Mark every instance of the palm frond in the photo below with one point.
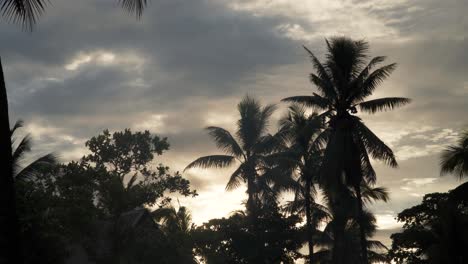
(383, 104)
(454, 160)
(264, 118)
(18, 124)
(375, 244)
(213, 161)
(315, 101)
(268, 144)
(23, 147)
(23, 12)
(375, 257)
(356, 83)
(371, 194)
(249, 127)
(236, 178)
(373, 80)
(166, 215)
(225, 141)
(132, 181)
(375, 147)
(368, 171)
(280, 178)
(36, 166)
(134, 6)
(322, 80)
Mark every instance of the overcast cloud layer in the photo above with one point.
(185, 65)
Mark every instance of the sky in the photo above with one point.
(88, 66)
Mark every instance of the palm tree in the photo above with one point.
(177, 225)
(344, 82)
(353, 225)
(174, 220)
(25, 13)
(20, 150)
(302, 133)
(249, 147)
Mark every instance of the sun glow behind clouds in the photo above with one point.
(387, 221)
(99, 57)
(103, 58)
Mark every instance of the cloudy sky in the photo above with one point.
(185, 65)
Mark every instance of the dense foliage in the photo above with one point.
(435, 231)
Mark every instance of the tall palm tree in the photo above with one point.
(344, 82)
(25, 13)
(302, 133)
(249, 148)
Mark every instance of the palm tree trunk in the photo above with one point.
(339, 209)
(252, 211)
(362, 233)
(309, 222)
(338, 254)
(10, 250)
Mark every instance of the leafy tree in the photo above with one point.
(129, 181)
(232, 240)
(434, 231)
(344, 82)
(76, 200)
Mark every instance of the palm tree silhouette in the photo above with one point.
(25, 13)
(249, 147)
(174, 220)
(302, 133)
(344, 82)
